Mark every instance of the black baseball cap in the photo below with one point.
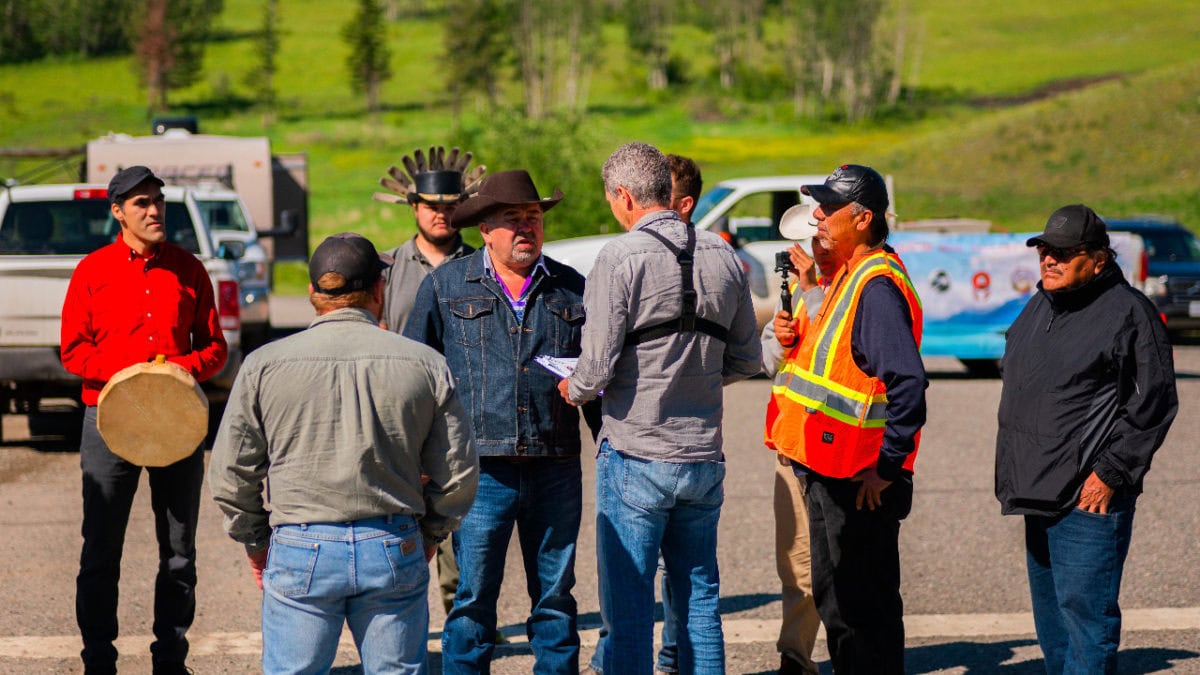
(851, 183)
(351, 255)
(1071, 226)
(127, 179)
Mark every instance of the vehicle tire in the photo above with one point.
(58, 426)
(982, 368)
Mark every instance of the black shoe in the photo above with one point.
(172, 669)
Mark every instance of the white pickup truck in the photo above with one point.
(45, 230)
(971, 285)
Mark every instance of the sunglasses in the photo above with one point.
(1060, 254)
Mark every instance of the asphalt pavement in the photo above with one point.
(966, 597)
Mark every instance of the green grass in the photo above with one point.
(978, 143)
(1006, 48)
(1124, 147)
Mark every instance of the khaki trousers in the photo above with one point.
(798, 633)
(447, 568)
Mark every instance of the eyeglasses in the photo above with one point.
(1060, 254)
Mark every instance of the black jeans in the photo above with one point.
(109, 484)
(856, 574)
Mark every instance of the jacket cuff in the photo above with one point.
(1105, 472)
(888, 468)
(431, 537)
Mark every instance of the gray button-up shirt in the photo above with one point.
(662, 398)
(404, 277)
(341, 420)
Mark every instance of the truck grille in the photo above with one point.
(1184, 289)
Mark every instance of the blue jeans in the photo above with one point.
(370, 573)
(644, 507)
(543, 498)
(668, 654)
(1075, 564)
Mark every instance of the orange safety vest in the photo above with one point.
(825, 412)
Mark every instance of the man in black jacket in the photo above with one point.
(1089, 393)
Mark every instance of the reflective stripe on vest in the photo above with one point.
(836, 427)
(834, 328)
(817, 393)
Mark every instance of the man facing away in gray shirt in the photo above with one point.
(669, 322)
(367, 460)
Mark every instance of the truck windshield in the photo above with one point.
(223, 215)
(66, 227)
(707, 201)
(1172, 246)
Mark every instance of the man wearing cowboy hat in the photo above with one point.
(490, 314)
(433, 187)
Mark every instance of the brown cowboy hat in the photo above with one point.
(500, 189)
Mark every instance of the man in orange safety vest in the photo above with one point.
(847, 406)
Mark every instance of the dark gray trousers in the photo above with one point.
(856, 574)
(109, 484)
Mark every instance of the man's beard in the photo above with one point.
(440, 240)
(524, 257)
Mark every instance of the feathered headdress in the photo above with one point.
(440, 179)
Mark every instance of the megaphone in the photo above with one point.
(798, 222)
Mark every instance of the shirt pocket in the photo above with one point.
(567, 317)
(470, 318)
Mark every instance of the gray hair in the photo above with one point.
(643, 170)
(879, 224)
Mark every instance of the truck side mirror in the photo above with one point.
(231, 250)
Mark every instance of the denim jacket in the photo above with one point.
(513, 403)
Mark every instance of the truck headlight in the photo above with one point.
(1155, 287)
(252, 271)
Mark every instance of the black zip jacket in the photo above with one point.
(1089, 385)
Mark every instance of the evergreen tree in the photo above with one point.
(169, 37)
(262, 77)
(477, 46)
(366, 34)
(32, 29)
(648, 23)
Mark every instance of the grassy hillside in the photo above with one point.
(1012, 114)
(1124, 147)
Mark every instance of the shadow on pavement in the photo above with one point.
(978, 658)
(1153, 659)
(53, 429)
(725, 605)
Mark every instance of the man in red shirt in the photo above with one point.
(128, 302)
